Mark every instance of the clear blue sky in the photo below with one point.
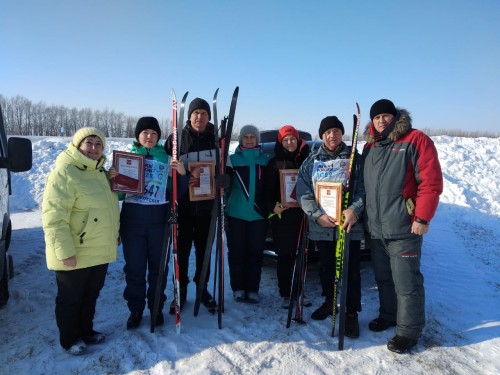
(294, 61)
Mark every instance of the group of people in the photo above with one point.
(394, 190)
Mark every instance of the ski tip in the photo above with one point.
(215, 94)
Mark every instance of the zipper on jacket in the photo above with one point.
(81, 238)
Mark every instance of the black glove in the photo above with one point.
(223, 181)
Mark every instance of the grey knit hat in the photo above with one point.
(249, 129)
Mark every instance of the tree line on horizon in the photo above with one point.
(24, 118)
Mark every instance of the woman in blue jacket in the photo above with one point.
(143, 222)
(247, 216)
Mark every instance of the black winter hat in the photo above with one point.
(330, 122)
(147, 123)
(382, 106)
(199, 103)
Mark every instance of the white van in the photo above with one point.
(15, 156)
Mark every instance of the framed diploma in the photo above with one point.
(329, 198)
(288, 182)
(130, 168)
(204, 188)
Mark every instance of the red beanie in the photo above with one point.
(287, 130)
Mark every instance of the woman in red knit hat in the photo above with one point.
(289, 153)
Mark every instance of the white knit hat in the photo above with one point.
(83, 133)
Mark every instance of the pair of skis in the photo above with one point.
(170, 236)
(299, 276)
(343, 242)
(222, 141)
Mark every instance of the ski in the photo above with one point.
(173, 217)
(227, 130)
(343, 242)
(180, 124)
(217, 214)
(303, 271)
(216, 207)
(298, 277)
(166, 244)
(211, 231)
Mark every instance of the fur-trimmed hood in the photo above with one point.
(401, 124)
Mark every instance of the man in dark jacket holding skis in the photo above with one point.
(403, 181)
(197, 145)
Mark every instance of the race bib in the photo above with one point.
(155, 178)
(330, 171)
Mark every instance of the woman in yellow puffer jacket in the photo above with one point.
(80, 219)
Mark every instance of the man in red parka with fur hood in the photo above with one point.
(403, 181)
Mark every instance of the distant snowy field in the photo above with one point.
(460, 264)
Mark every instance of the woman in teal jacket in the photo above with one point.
(247, 216)
(80, 219)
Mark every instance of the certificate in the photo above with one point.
(288, 182)
(130, 168)
(329, 198)
(204, 187)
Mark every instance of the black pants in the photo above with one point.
(142, 250)
(192, 228)
(77, 293)
(285, 240)
(327, 272)
(245, 242)
(400, 283)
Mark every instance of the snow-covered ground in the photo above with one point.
(460, 264)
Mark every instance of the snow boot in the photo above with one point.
(324, 311)
(208, 300)
(307, 302)
(159, 319)
(78, 348)
(253, 297)
(285, 302)
(94, 338)
(351, 325)
(134, 320)
(400, 344)
(380, 324)
(239, 295)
